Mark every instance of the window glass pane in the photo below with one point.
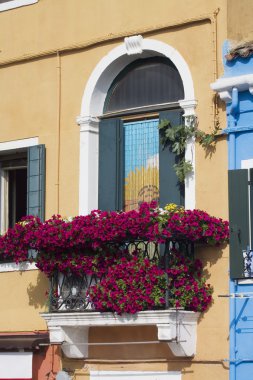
(145, 82)
(141, 163)
(17, 195)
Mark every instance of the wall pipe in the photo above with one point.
(58, 136)
(232, 123)
(233, 284)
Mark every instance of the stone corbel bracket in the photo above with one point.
(178, 328)
(133, 45)
(224, 86)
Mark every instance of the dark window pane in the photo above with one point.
(145, 82)
(17, 195)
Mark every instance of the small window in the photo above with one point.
(22, 175)
(14, 190)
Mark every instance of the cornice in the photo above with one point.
(91, 318)
(188, 106)
(88, 123)
(224, 86)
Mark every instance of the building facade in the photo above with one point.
(73, 77)
(237, 83)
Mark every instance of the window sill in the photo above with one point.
(178, 328)
(13, 267)
(15, 4)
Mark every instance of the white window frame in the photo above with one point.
(93, 100)
(16, 365)
(4, 199)
(135, 375)
(5, 147)
(15, 4)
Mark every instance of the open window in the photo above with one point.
(133, 165)
(14, 189)
(22, 184)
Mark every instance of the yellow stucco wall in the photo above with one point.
(240, 20)
(54, 24)
(22, 298)
(36, 101)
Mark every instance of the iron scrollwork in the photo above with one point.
(68, 291)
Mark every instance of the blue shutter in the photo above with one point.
(171, 191)
(111, 166)
(36, 181)
(238, 219)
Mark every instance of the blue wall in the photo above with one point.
(240, 147)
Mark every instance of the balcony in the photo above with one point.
(72, 312)
(178, 328)
(68, 291)
(120, 268)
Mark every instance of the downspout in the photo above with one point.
(58, 132)
(233, 284)
(232, 123)
(215, 73)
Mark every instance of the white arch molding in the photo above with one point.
(92, 107)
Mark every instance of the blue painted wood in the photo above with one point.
(170, 189)
(110, 180)
(36, 157)
(239, 219)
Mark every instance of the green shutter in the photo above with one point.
(238, 219)
(36, 181)
(111, 166)
(170, 190)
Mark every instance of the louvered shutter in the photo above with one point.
(238, 219)
(111, 166)
(170, 190)
(36, 181)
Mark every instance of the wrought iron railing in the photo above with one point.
(248, 263)
(68, 292)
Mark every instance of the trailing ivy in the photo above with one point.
(176, 137)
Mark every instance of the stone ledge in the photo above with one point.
(224, 86)
(176, 327)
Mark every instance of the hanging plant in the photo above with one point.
(58, 240)
(176, 137)
(135, 284)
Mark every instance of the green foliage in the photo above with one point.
(176, 137)
(182, 169)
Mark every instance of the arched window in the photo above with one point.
(133, 166)
(145, 82)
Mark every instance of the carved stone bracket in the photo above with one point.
(87, 123)
(224, 86)
(133, 45)
(176, 327)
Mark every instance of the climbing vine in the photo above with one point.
(176, 137)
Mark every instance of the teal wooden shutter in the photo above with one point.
(111, 166)
(36, 181)
(170, 190)
(238, 219)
